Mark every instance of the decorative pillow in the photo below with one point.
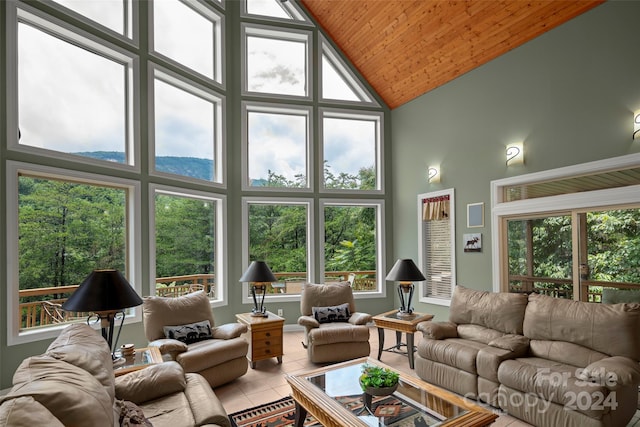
(337, 313)
(189, 333)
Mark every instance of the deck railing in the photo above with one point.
(32, 314)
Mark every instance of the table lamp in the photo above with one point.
(405, 272)
(258, 274)
(105, 293)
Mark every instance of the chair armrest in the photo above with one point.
(151, 383)
(438, 330)
(169, 346)
(308, 322)
(613, 372)
(359, 318)
(229, 331)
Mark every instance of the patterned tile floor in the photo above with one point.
(266, 382)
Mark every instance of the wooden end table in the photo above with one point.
(406, 324)
(264, 335)
(143, 357)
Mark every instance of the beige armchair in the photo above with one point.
(335, 332)
(179, 328)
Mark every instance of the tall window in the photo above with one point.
(187, 135)
(188, 249)
(436, 246)
(278, 233)
(277, 146)
(67, 224)
(82, 91)
(351, 147)
(352, 242)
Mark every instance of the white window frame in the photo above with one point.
(219, 53)
(220, 238)
(377, 117)
(583, 200)
(276, 109)
(326, 49)
(289, 34)
(22, 13)
(219, 122)
(381, 270)
(133, 237)
(452, 223)
(246, 201)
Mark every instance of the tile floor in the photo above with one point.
(266, 382)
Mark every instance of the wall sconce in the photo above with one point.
(515, 154)
(636, 125)
(433, 174)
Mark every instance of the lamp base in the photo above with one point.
(404, 314)
(259, 314)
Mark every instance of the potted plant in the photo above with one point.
(378, 381)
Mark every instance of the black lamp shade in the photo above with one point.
(258, 272)
(103, 290)
(404, 270)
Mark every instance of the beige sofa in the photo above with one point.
(73, 384)
(547, 361)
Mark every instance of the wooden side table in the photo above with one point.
(264, 335)
(142, 358)
(406, 324)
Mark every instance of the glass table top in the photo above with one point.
(407, 406)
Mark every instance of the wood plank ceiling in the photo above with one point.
(405, 48)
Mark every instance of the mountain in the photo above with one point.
(184, 166)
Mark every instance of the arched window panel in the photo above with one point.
(275, 9)
(338, 82)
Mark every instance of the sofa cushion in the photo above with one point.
(500, 311)
(206, 354)
(332, 333)
(565, 352)
(478, 333)
(556, 382)
(586, 324)
(189, 333)
(25, 411)
(73, 395)
(335, 313)
(151, 383)
(455, 352)
(515, 343)
(325, 296)
(82, 346)
(160, 311)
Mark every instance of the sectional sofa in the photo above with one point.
(73, 384)
(547, 361)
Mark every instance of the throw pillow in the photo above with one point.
(189, 333)
(336, 313)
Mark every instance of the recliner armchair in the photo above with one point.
(218, 353)
(335, 332)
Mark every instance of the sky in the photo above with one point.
(72, 100)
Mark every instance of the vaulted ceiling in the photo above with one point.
(405, 48)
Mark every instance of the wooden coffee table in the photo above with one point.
(407, 324)
(142, 358)
(321, 391)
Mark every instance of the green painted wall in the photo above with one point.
(568, 94)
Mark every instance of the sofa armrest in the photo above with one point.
(205, 405)
(438, 330)
(613, 372)
(151, 383)
(169, 346)
(359, 318)
(308, 322)
(229, 331)
(518, 344)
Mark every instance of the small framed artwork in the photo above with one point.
(472, 242)
(475, 215)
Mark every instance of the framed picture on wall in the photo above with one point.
(472, 242)
(475, 215)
